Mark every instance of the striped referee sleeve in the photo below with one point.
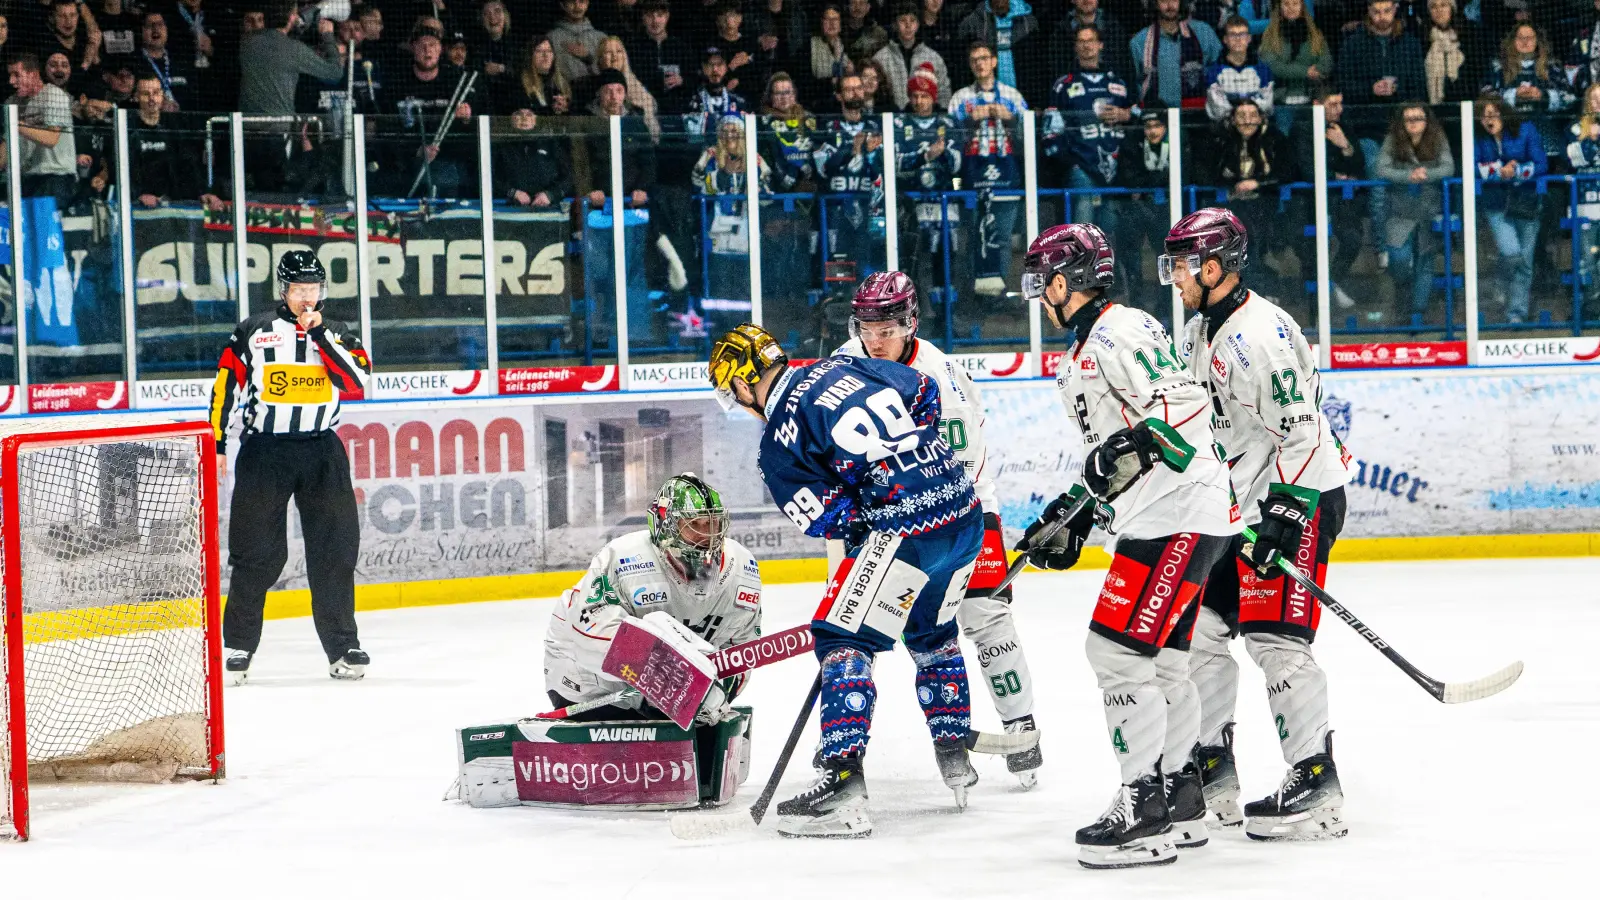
(231, 375)
(344, 357)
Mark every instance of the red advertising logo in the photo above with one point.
(562, 380)
(630, 773)
(1052, 362)
(1408, 354)
(89, 396)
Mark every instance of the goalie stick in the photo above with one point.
(1443, 691)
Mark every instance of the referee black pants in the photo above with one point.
(314, 470)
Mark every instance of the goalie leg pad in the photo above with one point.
(848, 696)
(1297, 692)
(1135, 708)
(1183, 710)
(1215, 675)
(943, 693)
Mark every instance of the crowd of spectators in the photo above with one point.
(819, 72)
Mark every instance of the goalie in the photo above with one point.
(684, 566)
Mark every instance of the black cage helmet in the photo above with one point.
(301, 267)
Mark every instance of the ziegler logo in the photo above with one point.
(907, 599)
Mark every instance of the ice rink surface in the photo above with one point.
(334, 788)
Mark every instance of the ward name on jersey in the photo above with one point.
(1121, 370)
(628, 578)
(844, 453)
(961, 415)
(1266, 400)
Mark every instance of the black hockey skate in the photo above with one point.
(352, 666)
(237, 664)
(1307, 807)
(1220, 779)
(834, 807)
(956, 769)
(1136, 830)
(1024, 765)
(1186, 803)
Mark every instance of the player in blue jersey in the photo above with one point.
(852, 451)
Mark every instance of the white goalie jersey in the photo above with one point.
(1267, 402)
(960, 413)
(1124, 370)
(630, 578)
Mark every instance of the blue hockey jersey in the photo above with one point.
(1074, 134)
(853, 444)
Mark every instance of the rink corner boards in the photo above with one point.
(399, 595)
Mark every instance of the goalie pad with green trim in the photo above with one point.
(639, 765)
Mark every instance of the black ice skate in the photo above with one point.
(956, 769)
(834, 807)
(1186, 803)
(236, 663)
(352, 666)
(1024, 765)
(1136, 830)
(1221, 779)
(1308, 805)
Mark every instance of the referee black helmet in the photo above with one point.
(301, 267)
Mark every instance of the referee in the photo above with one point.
(284, 369)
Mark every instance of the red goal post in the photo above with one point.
(110, 612)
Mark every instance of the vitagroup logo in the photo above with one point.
(604, 773)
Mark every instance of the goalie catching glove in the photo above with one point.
(1061, 551)
(1284, 519)
(1123, 458)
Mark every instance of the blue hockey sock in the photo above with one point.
(943, 693)
(848, 695)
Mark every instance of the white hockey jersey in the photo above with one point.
(1121, 370)
(961, 413)
(1266, 402)
(629, 577)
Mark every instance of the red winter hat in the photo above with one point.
(925, 80)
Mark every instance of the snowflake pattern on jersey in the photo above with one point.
(943, 693)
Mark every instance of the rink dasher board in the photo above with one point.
(674, 768)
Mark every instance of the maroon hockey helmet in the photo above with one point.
(885, 297)
(1078, 252)
(1211, 233)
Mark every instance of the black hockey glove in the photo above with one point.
(1283, 522)
(1061, 551)
(1119, 461)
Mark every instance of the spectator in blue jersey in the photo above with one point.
(849, 157)
(1295, 50)
(786, 139)
(714, 99)
(927, 159)
(1583, 153)
(1144, 163)
(1088, 108)
(786, 136)
(1238, 75)
(1251, 160)
(988, 108)
(1170, 57)
(1510, 157)
(1533, 82)
(1009, 27)
(906, 53)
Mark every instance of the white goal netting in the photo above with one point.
(115, 659)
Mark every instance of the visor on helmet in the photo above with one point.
(1168, 266)
(1033, 285)
(883, 330)
(726, 399)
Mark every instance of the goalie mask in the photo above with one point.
(302, 267)
(688, 524)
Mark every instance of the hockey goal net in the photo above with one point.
(109, 611)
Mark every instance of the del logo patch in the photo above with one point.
(296, 384)
(1219, 367)
(1088, 367)
(267, 339)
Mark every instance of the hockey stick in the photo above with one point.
(567, 712)
(693, 827)
(1443, 691)
(1044, 534)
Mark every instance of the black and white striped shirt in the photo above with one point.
(283, 379)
